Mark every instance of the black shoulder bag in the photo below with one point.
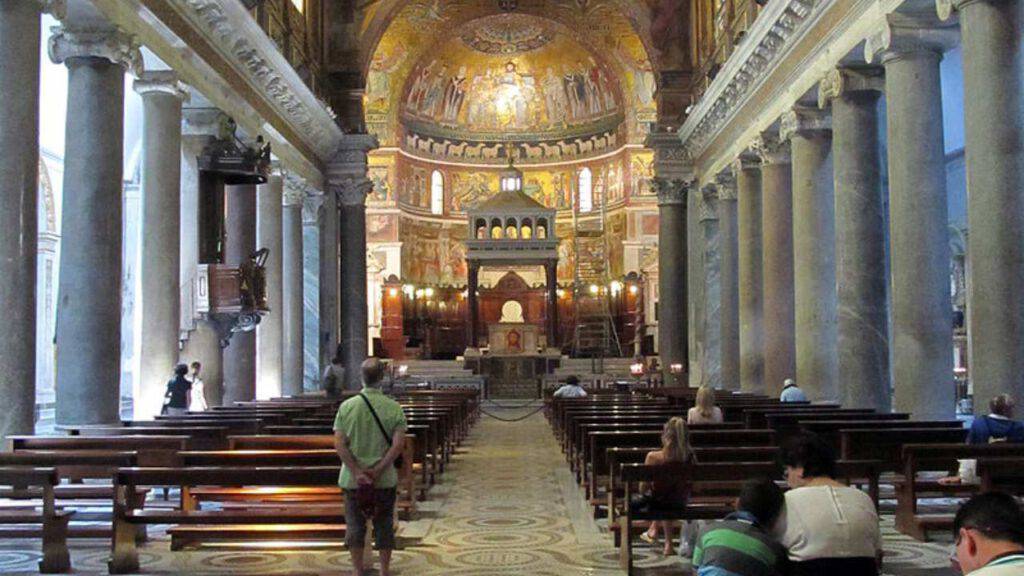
(400, 461)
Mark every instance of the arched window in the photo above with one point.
(496, 229)
(511, 229)
(436, 192)
(586, 190)
(542, 228)
(481, 229)
(526, 229)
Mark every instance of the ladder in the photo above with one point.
(594, 334)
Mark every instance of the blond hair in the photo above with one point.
(705, 402)
(675, 441)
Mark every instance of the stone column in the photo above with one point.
(89, 289)
(348, 182)
(292, 292)
(750, 275)
(809, 131)
(729, 287)
(19, 172)
(160, 271)
(671, 183)
(693, 258)
(777, 258)
(270, 332)
(239, 244)
(473, 280)
(327, 217)
(551, 273)
(710, 337)
(993, 68)
(919, 217)
(861, 279)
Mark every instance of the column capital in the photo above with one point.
(906, 35)
(205, 121)
(670, 157)
(161, 82)
(670, 191)
(709, 203)
(311, 209)
(748, 160)
(841, 82)
(771, 149)
(351, 190)
(804, 121)
(947, 8)
(113, 45)
(297, 189)
(726, 182)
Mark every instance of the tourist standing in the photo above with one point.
(176, 397)
(369, 433)
(198, 401)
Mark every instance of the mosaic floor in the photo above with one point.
(508, 505)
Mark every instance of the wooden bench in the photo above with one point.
(199, 437)
(299, 522)
(54, 522)
(942, 458)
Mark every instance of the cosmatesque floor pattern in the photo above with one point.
(507, 505)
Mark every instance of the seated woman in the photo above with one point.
(704, 410)
(825, 526)
(675, 448)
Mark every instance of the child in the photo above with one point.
(740, 545)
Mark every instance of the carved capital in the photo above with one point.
(351, 191)
(296, 189)
(117, 47)
(726, 183)
(670, 191)
(906, 35)
(670, 157)
(746, 161)
(803, 121)
(842, 82)
(771, 149)
(161, 82)
(709, 203)
(350, 158)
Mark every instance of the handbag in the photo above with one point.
(400, 461)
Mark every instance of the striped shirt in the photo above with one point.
(737, 546)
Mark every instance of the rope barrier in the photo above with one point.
(516, 419)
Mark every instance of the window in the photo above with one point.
(436, 192)
(586, 190)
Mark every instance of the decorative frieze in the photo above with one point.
(112, 45)
(779, 25)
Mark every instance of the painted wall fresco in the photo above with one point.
(433, 253)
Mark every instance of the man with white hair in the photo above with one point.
(791, 392)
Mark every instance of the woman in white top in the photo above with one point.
(825, 526)
(704, 411)
(197, 399)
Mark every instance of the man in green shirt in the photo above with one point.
(369, 433)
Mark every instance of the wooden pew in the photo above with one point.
(942, 458)
(828, 430)
(200, 437)
(54, 522)
(237, 524)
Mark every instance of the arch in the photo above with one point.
(436, 192)
(526, 229)
(585, 189)
(542, 228)
(497, 232)
(481, 228)
(511, 228)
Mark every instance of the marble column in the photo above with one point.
(19, 173)
(327, 226)
(551, 309)
(809, 131)
(671, 182)
(777, 261)
(729, 286)
(918, 216)
(473, 280)
(348, 182)
(89, 289)
(160, 270)
(861, 277)
(993, 67)
(239, 244)
(711, 318)
(270, 332)
(292, 292)
(672, 277)
(750, 275)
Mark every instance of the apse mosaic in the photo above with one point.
(519, 74)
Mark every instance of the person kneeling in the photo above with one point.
(740, 545)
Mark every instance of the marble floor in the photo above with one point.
(507, 505)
